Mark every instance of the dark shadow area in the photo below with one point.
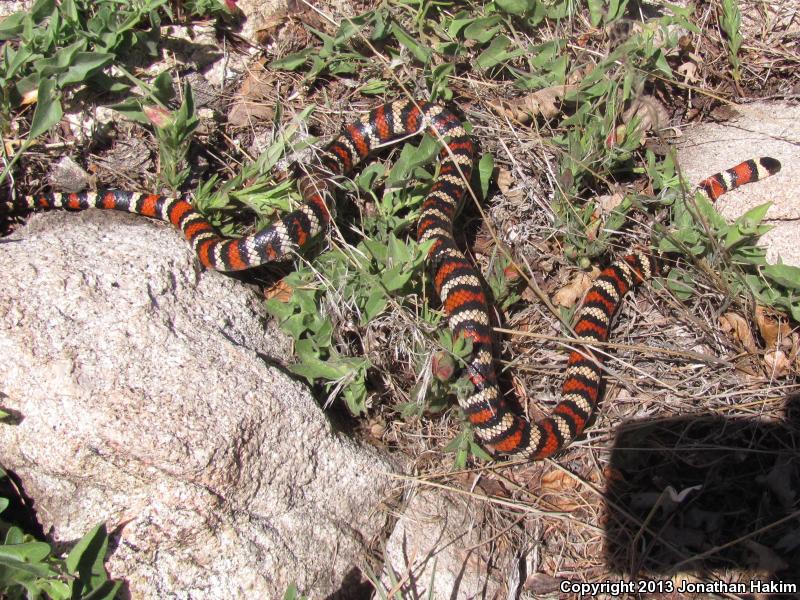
(704, 495)
(354, 587)
(21, 510)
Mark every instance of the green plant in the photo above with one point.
(731, 22)
(55, 45)
(699, 232)
(173, 129)
(28, 569)
(590, 154)
(174, 134)
(254, 186)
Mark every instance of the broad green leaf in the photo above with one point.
(163, 89)
(495, 53)
(107, 590)
(459, 22)
(516, 7)
(86, 559)
(83, 65)
(482, 30)
(12, 25)
(355, 395)
(313, 369)
(479, 452)
(485, 170)
(374, 87)
(27, 552)
(374, 305)
(55, 589)
(595, 11)
(14, 535)
(48, 110)
(785, 275)
(420, 52)
(37, 569)
(292, 62)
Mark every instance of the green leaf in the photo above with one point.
(27, 552)
(479, 452)
(595, 11)
(83, 65)
(86, 559)
(315, 368)
(37, 569)
(677, 285)
(461, 20)
(495, 53)
(292, 62)
(485, 170)
(12, 25)
(456, 443)
(48, 110)
(516, 7)
(55, 589)
(14, 535)
(163, 89)
(355, 396)
(374, 305)
(291, 593)
(396, 278)
(374, 87)
(420, 52)
(785, 275)
(482, 30)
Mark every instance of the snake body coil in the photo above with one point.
(456, 281)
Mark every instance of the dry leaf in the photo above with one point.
(493, 487)
(779, 481)
(794, 354)
(557, 480)
(748, 365)
(723, 113)
(519, 389)
(251, 101)
(652, 114)
(377, 429)
(280, 291)
(689, 72)
(504, 180)
(737, 326)
(545, 102)
(777, 364)
(608, 202)
(569, 295)
(542, 583)
(555, 483)
(773, 331)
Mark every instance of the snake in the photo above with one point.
(498, 424)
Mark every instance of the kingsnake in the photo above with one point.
(455, 279)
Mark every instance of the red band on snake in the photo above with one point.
(457, 282)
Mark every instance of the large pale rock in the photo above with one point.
(148, 401)
(762, 129)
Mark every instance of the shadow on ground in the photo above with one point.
(706, 495)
